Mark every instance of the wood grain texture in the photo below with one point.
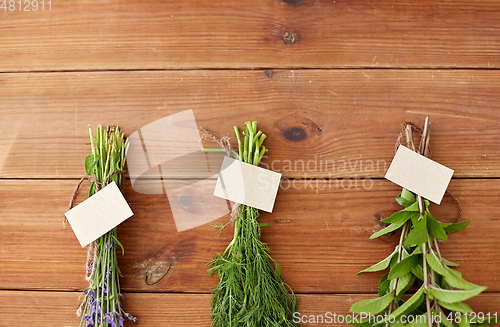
(309, 72)
(320, 238)
(315, 119)
(57, 308)
(110, 35)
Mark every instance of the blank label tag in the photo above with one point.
(419, 174)
(247, 184)
(99, 214)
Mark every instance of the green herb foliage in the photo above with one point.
(102, 305)
(251, 291)
(417, 260)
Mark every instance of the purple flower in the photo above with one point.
(90, 267)
(110, 244)
(131, 318)
(120, 320)
(110, 319)
(90, 319)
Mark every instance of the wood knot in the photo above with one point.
(283, 221)
(291, 1)
(156, 273)
(269, 72)
(300, 127)
(295, 134)
(288, 38)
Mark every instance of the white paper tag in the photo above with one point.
(419, 174)
(99, 214)
(247, 184)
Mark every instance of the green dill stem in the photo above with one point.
(250, 148)
(245, 147)
(248, 131)
(256, 137)
(249, 126)
(261, 140)
(254, 126)
(256, 155)
(238, 136)
(262, 153)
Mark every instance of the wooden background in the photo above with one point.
(331, 79)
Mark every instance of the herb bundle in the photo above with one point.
(251, 291)
(417, 258)
(101, 306)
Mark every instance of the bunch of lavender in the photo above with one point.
(101, 306)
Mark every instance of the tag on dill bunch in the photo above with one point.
(251, 291)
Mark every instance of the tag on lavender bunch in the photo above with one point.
(99, 214)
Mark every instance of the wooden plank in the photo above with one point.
(83, 35)
(57, 308)
(320, 123)
(319, 236)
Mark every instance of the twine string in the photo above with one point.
(225, 144)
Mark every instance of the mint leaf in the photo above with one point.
(90, 163)
(381, 265)
(372, 306)
(418, 234)
(403, 267)
(435, 228)
(451, 296)
(457, 227)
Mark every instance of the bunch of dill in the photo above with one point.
(251, 291)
